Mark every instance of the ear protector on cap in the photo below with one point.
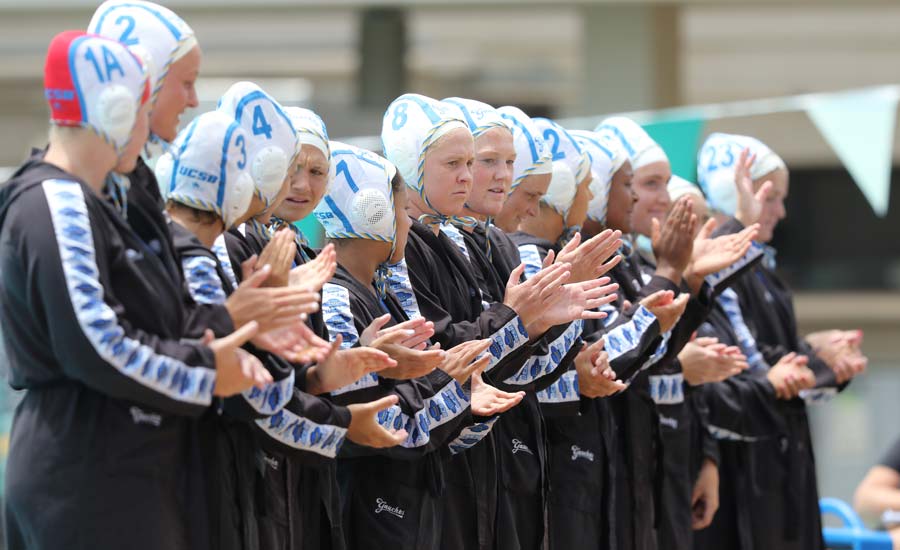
(271, 142)
(206, 168)
(372, 212)
(237, 199)
(163, 170)
(606, 156)
(94, 82)
(115, 112)
(268, 170)
(561, 191)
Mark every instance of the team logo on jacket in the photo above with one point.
(270, 461)
(382, 506)
(579, 453)
(519, 446)
(143, 417)
(668, 422)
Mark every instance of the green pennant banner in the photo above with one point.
(680, 139)
(312, 230)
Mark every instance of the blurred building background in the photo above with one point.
(348, 58)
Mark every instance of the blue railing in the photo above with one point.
(853, 535)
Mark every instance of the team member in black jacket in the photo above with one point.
(578, 484)
(693, 261)
(393, 500)
(432, 149)
(523, 483)
(585, 445)
(208, 152)
(772, 443)
(703, 360)
(169, 47)
(170, 50)
(98, 456)
(310, 486)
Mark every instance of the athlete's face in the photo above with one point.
(308, 182)
(492, 173)
(447, 174)
(401, 205)
(622, 199)
(773, 210)
(176, 95)
(650, 184)
(583, 196)
(128, 159)
(523, 202)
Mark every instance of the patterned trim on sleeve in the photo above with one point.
(339, 320)
(98, 322)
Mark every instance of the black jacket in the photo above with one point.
(110, 385)
(392, 496)
(296, 467)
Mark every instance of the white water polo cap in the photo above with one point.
(607, 157)
(311, 130)
(156, 32)
(271, 142)
(532, 155)
(206, 167)
(716, 163)
(412, 124)
(641, 148)
(94, 82)
(479, 116)
(359, 203)
(564, 147)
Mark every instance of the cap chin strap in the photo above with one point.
(117, 187)
(383, 273)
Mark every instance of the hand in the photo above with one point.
(272, 308)
(712, 255)
(587, 258)
(595, 377)
(279, 253)
(841, 350)
(364, 427)
(705, 498)
(574, 301)
(488, 400)
(822, 338)
(749, 204)
(313, 275)
(526, 298)
(666, 309)
(296, 343)
(236, 370)
(413, 334)
(411, 362)
(459, 362)
(673, 243)
(842, 356)
(790, 375)
(345, 366)
(705, 360)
